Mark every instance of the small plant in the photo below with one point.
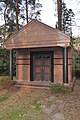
(5, 82)
(3, 98)
(60, 88)
(36, 106)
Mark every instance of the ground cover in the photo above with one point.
(39, 104)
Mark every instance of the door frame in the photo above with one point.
(32, 54)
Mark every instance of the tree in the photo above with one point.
(59, 7)
(17, 21)
(11, 12)
(14, 12)
(8, 8)
(67, 19)
(27, 11)
(32, 9)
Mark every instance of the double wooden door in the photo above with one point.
(42, 66)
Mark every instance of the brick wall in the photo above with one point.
(58, 65)
(23, 65)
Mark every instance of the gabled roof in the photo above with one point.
(36, 34)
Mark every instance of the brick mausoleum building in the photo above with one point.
(42, 53)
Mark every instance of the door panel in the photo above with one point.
(47, 62)
(38, 69)
(46, 77)
(42, 66)
(46, 69)
(38, 62)
(38, 77)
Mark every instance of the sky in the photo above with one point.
(75, 6)
(48, 11)
(47, 14)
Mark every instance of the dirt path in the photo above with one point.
(63, 106)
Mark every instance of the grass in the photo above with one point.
(15, 114)
(18, 105)
(21, 105)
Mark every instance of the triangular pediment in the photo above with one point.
(36, 34)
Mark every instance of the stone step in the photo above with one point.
(33, 84)
(32, 87)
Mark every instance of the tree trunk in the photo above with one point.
(4, 34)
(17, 22)
(59, 5)
(26, 11)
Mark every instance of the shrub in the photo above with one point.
(5, 82)
(60, 88)
(4, 62)
(76, 64)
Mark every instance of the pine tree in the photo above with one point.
(67, 19)
(59, 7)
(33, 9)
(13, 12)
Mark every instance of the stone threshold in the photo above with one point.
(33, 84)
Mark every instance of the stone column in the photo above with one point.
(65, 65)
(11, 65)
